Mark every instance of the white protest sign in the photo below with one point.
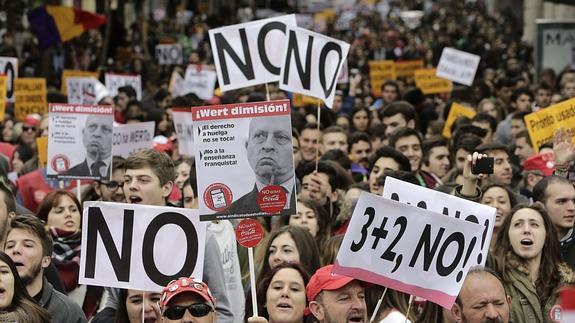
(80, 141)
(447, 205)
(9, 67)
(139, 246)
(312, 63)
(176, 86)
(171, 54)
(457, 66)
(184, 131)
(343, 74)
(251, 53)
(244, 160)
(130, 138)
(81, 90)
(554, 45)
(114, 81)
(200, 80)
(408, 249)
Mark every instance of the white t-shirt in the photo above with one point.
(394, 317)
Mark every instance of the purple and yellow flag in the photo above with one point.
(56, 24)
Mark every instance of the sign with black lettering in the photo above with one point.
(448, 205)
(183, 125)
(81, 90)
(250, 53)
(129, 138)
(408, 249)
(457, 66)
(200, 80)
(244, 160)
(169, 54)
(30, 97)
(312, 63)
(9, 67)
(132, 246)
(114, 81)
(555, 45)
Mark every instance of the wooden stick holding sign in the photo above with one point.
(408, 308)
(377, 306)
(318, 131)
(248, 234)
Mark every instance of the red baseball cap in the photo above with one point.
(325, 279)
(32, 120)
(543, 163)
(186, 285)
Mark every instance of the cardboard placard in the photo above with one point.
(379, 72)
(3, 90)
(554, 46)
(541, 125)
(407, 69)
(457, 110)
(170, 54)
(81, 90)
(31, 97)
(42, 146)
(130, 138)
(9, 67)
(457, 66)
(132, 246)
(183, 124)
(429, 83)
(75, 73)
(200, 80)
(114, 81)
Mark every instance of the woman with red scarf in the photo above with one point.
(62, 213)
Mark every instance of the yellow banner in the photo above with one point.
(30, 97)
(75, 73)
(542, 124)
(407, 68)
(457, 110)
(3, 89)
(300, 100)
(379, 72)
(42, 144)
(426, 80)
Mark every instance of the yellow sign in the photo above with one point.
(542, 124)
(75, 73)
(30, 97)
(3, 89)
(300, 100)
(457, 110)
(407, 69)
(42, 144)
(426, 80)
(379, 72)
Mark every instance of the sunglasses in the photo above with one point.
(112, 185)
(27, 128)
(197, 310)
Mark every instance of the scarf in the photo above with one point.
(66, 255)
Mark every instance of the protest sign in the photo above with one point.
(555, 45)
(176, 85)
(42, 145)
(9, 67)
(183, 123)
(250, 53)
(379, 72)
(132, 246)
(3, 89)
(408, 249)
(406, 69)
(130, 138)
(80, 141)
(81, 90)
(428, 83)
(457, 66)
(31, 97)
(114, 81)
(343, 77)
(170, 54)
(244, 160)
(316, 73)
(75, 73)
(542, 124)
(200, 80)
(300, 100)
(457, 110)
(447, 205)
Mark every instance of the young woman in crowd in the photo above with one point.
(528, 259)
(15, 304)
(281, 295)
(62, 213)
(330, 250)
(360, 120)
(312, 217)
(393, 307)
(131, 303)
(503, 200)
(492, 108)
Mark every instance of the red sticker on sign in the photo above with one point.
(249, 233)
(555, 313)
(272, 199)
(60, 163)
(218, 197)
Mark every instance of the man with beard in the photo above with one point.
(30, 247)
(336, 298)
(269, 151)
(360, 154)
(482, 299)
(97, 139)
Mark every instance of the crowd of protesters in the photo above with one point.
(360, 141)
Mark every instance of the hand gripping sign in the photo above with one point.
(140, 246)
(408, 249)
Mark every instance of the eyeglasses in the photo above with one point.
(197, 310)
(28, 128)
(112, 185)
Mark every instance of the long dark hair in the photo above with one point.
(22, 304)
(548, 277)
(323, 223)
